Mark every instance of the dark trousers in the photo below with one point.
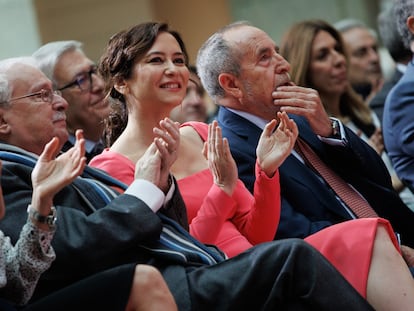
(106, 290)
(280, 275)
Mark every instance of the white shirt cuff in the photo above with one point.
(150, 193)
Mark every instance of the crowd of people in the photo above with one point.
(119, 190)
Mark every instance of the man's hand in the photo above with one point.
(52, 173)
(304, 102)
(148, 167)
(167, 141)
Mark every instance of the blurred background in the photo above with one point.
(27, 24)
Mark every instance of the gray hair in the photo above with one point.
(390, 36)
(350, 23)
(48, 55)
(5, 88)
(216, 56)
(404, 9)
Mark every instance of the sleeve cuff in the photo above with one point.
(147, 192)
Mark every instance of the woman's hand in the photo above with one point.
(275, 145)
(220, 161)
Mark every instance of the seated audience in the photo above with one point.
(223, 216)
(322, 50)
(100, 229)
(74, 74)
(399, 105)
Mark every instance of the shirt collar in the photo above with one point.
(259, 122)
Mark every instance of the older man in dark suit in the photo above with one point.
(250, 88)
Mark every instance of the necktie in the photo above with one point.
(348, 195)
(174, 243)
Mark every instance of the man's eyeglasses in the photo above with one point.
(83, 81)
(44, 95)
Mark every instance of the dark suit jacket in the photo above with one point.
(85, 241)
(398, 127)
(89, 155)
(378, 101)
(308, 205)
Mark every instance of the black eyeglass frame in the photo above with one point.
(80, 80)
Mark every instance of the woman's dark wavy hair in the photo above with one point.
(123, 50)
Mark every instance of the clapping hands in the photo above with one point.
(220, 161)
(52, 173)
(155, 164)
(275, 145)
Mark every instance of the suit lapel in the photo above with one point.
(240, 127)
(292, 170)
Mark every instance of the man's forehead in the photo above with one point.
(71, 63)
(249, 36)
(241, 33)
(21, 71)
(26, 75)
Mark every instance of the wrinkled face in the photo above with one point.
(194, 106)
(364, 61)
(86, 107)
(159, 80)
(32, 122)
(327, 71)
(262, 70)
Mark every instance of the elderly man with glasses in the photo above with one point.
(74, 74)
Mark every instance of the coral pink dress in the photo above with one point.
(233, 223)
(238, 222)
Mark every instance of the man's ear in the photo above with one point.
(230, 84)
(410, 23)
(4, 125)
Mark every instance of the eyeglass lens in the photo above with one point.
(84, 80)
(47, 95)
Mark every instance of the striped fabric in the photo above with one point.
(175, 243)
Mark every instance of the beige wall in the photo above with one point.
(195, 20)
(91, 22)
(94, 21)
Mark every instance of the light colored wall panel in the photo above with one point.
(19, 32)
(276, 16)
(195, 20)
(89, 21)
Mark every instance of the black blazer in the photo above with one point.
(307, 204)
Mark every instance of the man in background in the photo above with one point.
(364, 72)
(392, 41)
(74, 74)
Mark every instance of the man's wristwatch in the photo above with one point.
(49, 220)
(336, 129)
